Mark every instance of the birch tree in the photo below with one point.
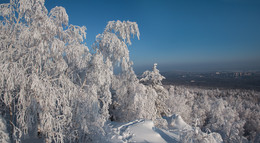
(41, 60)
(127, 93)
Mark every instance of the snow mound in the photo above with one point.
(176, 122)
(145, 132)
(136, 131)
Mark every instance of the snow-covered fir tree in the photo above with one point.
(153, 79)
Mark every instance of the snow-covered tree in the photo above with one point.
(130, 99)
(53, 87)
(154, 79)
(178, 103)
(112, 43)
(232, 113)
(226, 121)
(42, 60)
(197, 136)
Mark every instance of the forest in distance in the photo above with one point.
(249, 80)
(56, 89)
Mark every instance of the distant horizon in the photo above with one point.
(201, 67)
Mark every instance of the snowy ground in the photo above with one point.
(144, 131)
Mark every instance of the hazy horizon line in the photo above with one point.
(200, 67)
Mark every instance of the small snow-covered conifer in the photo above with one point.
(152, 77)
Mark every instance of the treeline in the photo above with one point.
(235, 114)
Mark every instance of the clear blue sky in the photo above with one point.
(179, 34)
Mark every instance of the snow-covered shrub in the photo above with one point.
(247, 106)
(176, 122)
(226, 121)
(189, 134)
(178, 103)
(197, 136)
(233, 114)
(132, 100)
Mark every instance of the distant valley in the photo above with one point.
(221, 80)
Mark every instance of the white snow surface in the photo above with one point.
(144, 131)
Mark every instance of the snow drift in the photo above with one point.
(145, 131)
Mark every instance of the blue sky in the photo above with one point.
(179, 34)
